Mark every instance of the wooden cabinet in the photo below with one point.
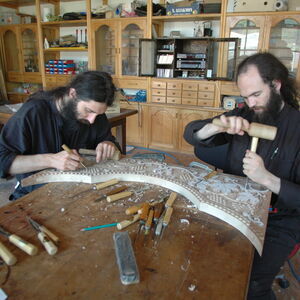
(136, 124)
(115, 45)
(166, 127)
(21, 58)
(276, 33)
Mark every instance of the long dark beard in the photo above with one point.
(271, 111)
(69, 113)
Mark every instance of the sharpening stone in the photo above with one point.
(129, 272)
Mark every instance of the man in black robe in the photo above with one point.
(74, 115)
(270, 98)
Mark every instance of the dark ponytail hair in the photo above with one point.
(271, 68)
(90, 85)
(94, 85)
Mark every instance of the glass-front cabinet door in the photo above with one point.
(130, 35)
(12, 50)
(29, 49)
(284, 42)
(105, 47)
(250, 32)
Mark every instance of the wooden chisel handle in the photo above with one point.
(144, 211)
(48, 244)
(167, 216)
(105, 184)
(133, 209)
(7, 256)
(51, 235)
(23, 245)
(126, 223)
(117, 190)
(118, 196)
(171, 199)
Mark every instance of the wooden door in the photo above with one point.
(135, 125)
(105, 47)
(29, 49)
(250, 29)
(11, 49)
(283, 40)
(186, 116)
(131, 31)
(163, 133)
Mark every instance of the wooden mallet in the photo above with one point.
(256, 131)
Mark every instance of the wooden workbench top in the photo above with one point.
(198, 257)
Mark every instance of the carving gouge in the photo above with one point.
(98, 186)
(47, 243)
(112, 192)
(19, 242)
(7, 256)
(66, 148)
(126, 223)
(42, 228)
(118, 196)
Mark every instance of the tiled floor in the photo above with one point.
(290, 293)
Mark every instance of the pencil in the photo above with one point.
(99, 227)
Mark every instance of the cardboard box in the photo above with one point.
(184, 8)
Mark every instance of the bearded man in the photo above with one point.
(270, 98)
(74, 115)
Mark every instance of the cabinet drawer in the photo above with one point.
(159, 92)
(174, 85)
(190, 86)
(174, 93)
(51, 79)
(204, 95)
(206, 87)
(209, 103)
(63, 79)
(159, 99)
(173, 100)
(159, 84)
(188, 94)
(37, 78)
(130, 83)
(14, 77)
(189, 101)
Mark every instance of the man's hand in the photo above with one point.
(254, 168)
(104, 151)
(66, 161)
(234, 124)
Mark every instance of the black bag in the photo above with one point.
(71, 16)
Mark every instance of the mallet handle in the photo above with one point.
(255, 129)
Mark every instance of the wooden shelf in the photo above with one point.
(187, 18)
(64, 23)
(70, 49)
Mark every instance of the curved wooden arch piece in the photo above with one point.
(224, 196)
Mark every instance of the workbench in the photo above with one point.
(117, 120)
(198, 256)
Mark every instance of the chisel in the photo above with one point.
(7, 256)
(44, 239)
(19, 242)
(112, 192)
(66, 148)
(98, 186)
(118, 196)
(126, 223)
